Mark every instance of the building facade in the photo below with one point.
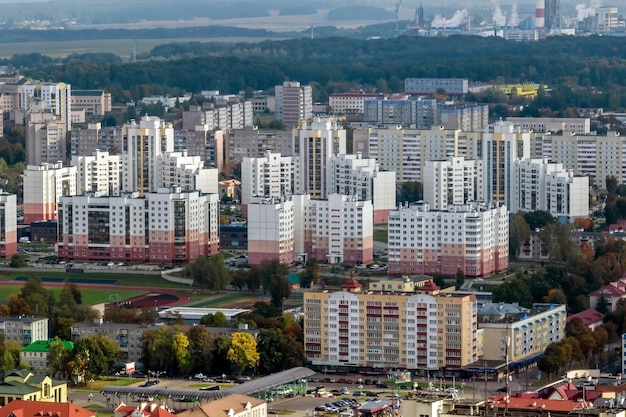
(44, 185)
(366, 330)
(452, 86)
(254, 142)
(351, 103)
(316, 143)
(576, 125)
(143, 142)
(269, 176)
(472, 238)
(339, 230)
(354, 175)
(96, 103)
(452, 182)
(8, 225)
(168, 226)
(100, 172)
(36, 354)
(24, 330)
(542, 185)
(45, 135)
(271, 227)
(293, 103)
(178, 169)
(528, 333)
(418, 114)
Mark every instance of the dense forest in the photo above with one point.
(587, 71)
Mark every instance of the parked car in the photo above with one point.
(381, 385)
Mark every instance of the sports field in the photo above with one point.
(91, 296)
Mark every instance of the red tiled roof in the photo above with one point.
(539, 404)
(21, 408)
(588, 317)
(351, 284)
(613, 289)
(429, 286)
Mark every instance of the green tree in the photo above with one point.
(18, 260)
(513, 290)
(58, 357)
(602, 305)
(242, 352)
(280, 290)
(538, 219)
(253, 279)
(311, 274)
(210, 273)
(460, 279)
(410, 192)
(217, 319)
(519, 232)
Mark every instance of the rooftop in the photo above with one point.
(21, 408)
(44, 345)
(535, 310)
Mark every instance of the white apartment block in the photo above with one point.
(8, 225)
(100, 172)
(271, 229)
(405, 151)
(293, 103)
(143, 142)
(45, 135)
(417, 114)
(212, 146)
(594, 156)
(44, 185)
(354, 175)
(253, 143)
(576, 125)
(542, 185)
(340, 230)
(177, 169)
(351, 103)
(54, 97)
(473, 238)
(316, 143)
(224, 115)
(166, 226)
(502, 145)
(23, 329)
(269, 176)
(453, 181)
(96, 103)
(453, 86)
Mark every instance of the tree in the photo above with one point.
(460, 278)
(198, 346)
(538, 219)
(410, 192)
(602, 305)
(555, 296)
(519, 232)
(58, 356)
(180, 350)
(253, 279)
(210, 273)
(554, 358)
(18, 261)
(513, 290)
(280, 290)
(270, 268)
(239, 279)
(214, 320)
(242, 352)
(311, 274)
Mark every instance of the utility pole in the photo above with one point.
(506, 382)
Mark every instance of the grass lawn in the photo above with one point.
(96, 386)
(123, 279)
(380, 235)
(280, 412)
(90, 296)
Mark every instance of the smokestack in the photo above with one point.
(540, 14)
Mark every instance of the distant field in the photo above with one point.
(90, 296)
(120, 47)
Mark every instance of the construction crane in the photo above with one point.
(397, 12)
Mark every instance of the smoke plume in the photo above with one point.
(459, 17)
(583, 10)
(514, 18)
(498, 18)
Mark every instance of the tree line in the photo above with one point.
(591, 69)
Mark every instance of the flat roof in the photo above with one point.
(191, 313)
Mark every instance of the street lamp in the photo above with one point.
(117, 378)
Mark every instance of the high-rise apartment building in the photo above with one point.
(452, 86)
(167, 226)
(453, 181)
(316, 143)
(271, 230)
(254, 142)
(100, 172)
(293, 103)
(55, 98)
(143, 142)
(503, 144)
(374, 330)
(351, 103)
(177, 169)
(270, 176)
(354, 175)
(473, 238)
(45, 135)
(8, 225)
(542, 185)
(44, 185)
(576, 125)
(340, 230)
